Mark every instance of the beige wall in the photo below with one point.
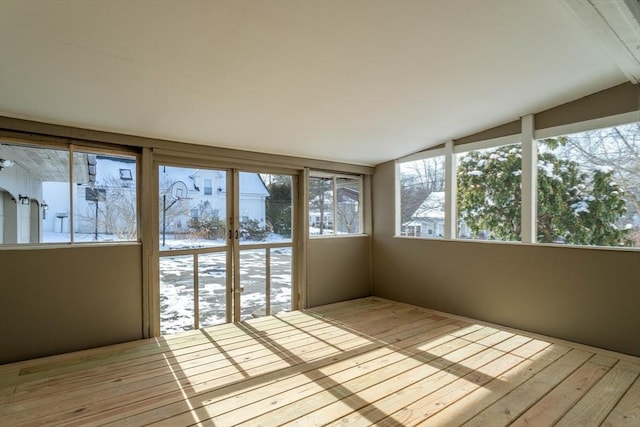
(339, 269)
(591, 296)
(58, 300)
(616, 100)
(619, 99)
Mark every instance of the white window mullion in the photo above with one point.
(398, 200)
(450, 189)
(335, 206)
(529, 181)
(71, 198)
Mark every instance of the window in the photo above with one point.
(208, 189)
(188, 219)
(125, 174)
(589, 187)
(422, 197)
(38, 204)
(335, 204)
(582, 187)
(489, 193)
(34, 181)
(105, 208)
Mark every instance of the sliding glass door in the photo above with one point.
(265, 245)
(226, 246)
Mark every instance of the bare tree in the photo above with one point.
(418, 179)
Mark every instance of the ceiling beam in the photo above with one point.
(615, 24)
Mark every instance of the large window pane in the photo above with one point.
(191, 216)
(176, 294)
(34, 195)
(253, 283)
(105, 204)
(281, 268)
(422, 197)
(320, 206)
(589, 187)
(335, 205)
(212, 288)
(266, 208)
(489, 193)
(348, 205)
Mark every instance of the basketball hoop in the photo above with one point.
(178, 190)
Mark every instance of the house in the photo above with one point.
(227, 92)
(206, 197)
(345, 207)
(428, 219)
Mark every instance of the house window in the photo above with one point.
(208, 189)
(422, 196)
(489, 193)
(589, 187)
(335, 204)
(125, 174)
(96, 207)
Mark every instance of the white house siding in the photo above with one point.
(253, 194)
(17, 218)
(57, 198)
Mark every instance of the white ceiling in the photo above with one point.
(360, 81)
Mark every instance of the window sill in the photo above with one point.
(499, 242)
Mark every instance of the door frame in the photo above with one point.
(233, 247)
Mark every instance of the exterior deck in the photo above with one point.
(362, 362)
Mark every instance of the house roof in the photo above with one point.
(110, 170)
(432, 207)
(250, 183)
(359, 81)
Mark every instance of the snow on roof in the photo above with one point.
(110, 170)
(431, 207)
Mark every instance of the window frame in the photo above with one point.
(423, 155)
(72, 149)
(487, 145)
(576, 128)
(528, 137)
(334, 177)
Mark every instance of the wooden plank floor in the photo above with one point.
(362, 362)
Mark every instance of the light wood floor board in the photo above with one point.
(363, 362)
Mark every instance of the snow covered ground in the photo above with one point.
(177, 287)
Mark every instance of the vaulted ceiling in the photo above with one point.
(360, 81)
